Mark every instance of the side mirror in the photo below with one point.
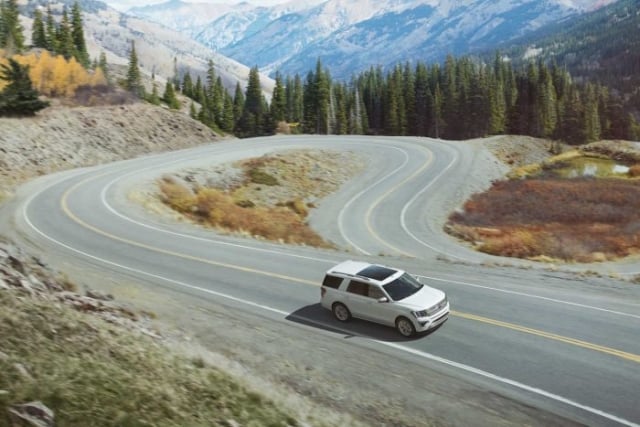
(383, 299)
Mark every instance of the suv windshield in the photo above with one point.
(404, 286)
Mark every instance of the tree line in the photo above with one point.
(460, 99)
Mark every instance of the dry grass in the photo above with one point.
(215, 208)
(272, 197)
(92, 373)
(583, 220)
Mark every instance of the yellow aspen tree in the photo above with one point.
(73, 77)
(47, 63)
(59, 80)
(97, 78)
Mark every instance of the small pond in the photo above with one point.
(589, 166)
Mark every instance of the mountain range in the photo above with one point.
(161, 51)
(351, 35)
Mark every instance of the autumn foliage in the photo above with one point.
(55, 76)
(218, 209)
(580, 220)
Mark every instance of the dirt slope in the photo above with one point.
(61, 138)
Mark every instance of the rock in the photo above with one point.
(36, 283)
(4, 286)
(16, 264)
(34, 414)
(99, 295)
(4, 356)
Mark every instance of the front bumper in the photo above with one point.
(425, 323)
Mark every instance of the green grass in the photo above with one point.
(93, 373)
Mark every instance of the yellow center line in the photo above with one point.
(67, 211)
(572, 341)
(579, 343)
(385, 195)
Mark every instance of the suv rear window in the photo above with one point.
(332, 281)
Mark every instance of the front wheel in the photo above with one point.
(341, 312)
(405, 327)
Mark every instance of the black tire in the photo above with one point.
(405, 327)
(341, 312)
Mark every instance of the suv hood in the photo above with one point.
(423, 299)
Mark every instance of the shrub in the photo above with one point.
(582, 219)
(299, 207)
(176, 195)
(634, 171)
(258, 176)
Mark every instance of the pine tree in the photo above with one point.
(546, 102)
(187, 85)
(497, 105)
(18, 98)
(422, 94)
(169, 96)
(38, 33)
(11, 34)
(154, 97)
(133, 82)
(278, 100)
(64, 38)
(198, 91)
(50, 31)
(251, 121)
(77, 34)
(238, 103)
(102, 64)
(228, 118)
(591, 116)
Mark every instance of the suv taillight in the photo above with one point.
(322, 291)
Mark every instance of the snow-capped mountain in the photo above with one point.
(351, 35)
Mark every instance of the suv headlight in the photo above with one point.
(418, 314)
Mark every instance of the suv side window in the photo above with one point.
(364, 289)
(332, 281)
(375, 292)
(358, 288)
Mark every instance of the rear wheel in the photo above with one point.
(341, 312)
(405, 327)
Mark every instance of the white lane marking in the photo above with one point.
(399, 347)
(354, 198)
(403, 215)
(523, 294)
(510, 382)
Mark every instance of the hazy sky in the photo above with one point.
(123, 5)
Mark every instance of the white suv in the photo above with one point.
(383, 295)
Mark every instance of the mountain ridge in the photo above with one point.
(350, 36)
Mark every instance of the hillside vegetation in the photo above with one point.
(542, 216)
(601, 46)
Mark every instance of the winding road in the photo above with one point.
(561, 344)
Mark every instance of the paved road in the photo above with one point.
(564, 344)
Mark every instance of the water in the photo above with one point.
(591, 167)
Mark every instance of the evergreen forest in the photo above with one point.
(460, 99)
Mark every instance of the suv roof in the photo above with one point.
(365, 270)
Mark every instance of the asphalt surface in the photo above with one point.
(564, 344)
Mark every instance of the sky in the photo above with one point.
(123, 5)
